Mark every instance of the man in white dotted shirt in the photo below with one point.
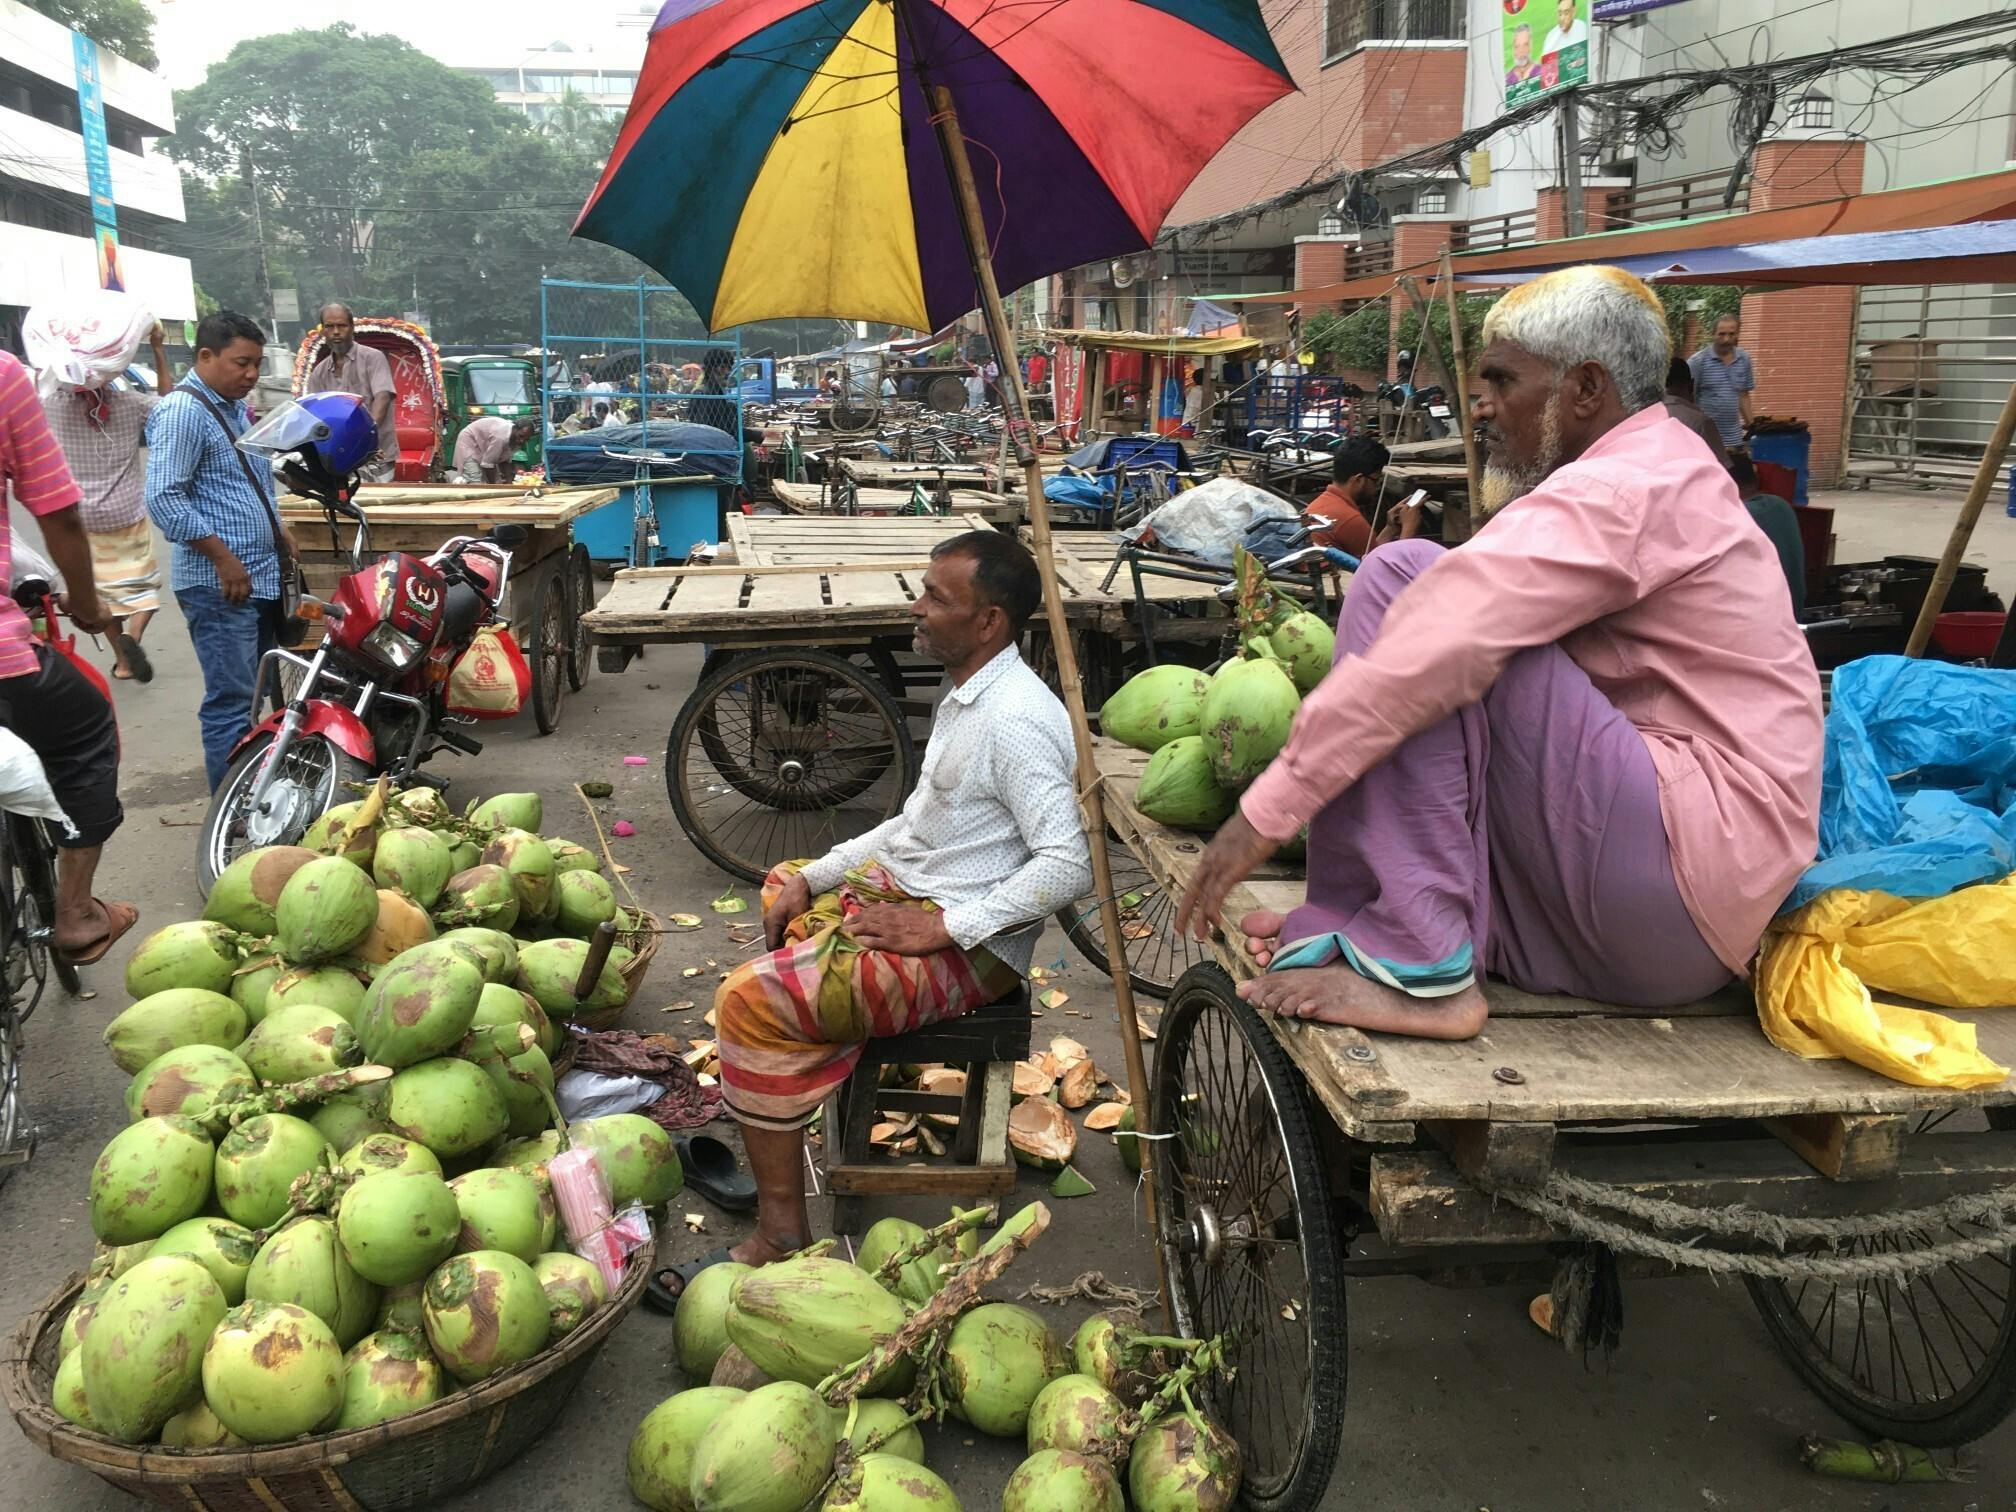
(928, 915)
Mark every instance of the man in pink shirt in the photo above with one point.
(1581, 752)
(44, 699)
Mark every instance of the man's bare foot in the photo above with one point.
(759, 1249)
(1339, 995)
(1263, 934)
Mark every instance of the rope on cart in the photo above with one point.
(1564, 1201)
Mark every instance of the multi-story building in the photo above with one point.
(534, 83)
(47, 238)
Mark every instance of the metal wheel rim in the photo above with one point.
(1210, 1237)
(761, 813)
(310, 760)
(1918, 1353)
(1156, 955)
(10, 1086)
(553, 643)
(579, 650)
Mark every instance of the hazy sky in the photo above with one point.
(192, 34)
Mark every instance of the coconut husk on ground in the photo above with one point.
(1042, 1133)
(1031, 1080)
(1104, 1117)
(1076, 1087)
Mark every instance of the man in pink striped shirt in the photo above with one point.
(44, 698)
(1580, 752)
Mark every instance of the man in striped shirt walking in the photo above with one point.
(216, 505)
(44, 699)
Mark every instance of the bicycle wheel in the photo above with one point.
(781, 754)
(1156, 954)
(34, 859)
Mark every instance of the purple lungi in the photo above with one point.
(1522, 832)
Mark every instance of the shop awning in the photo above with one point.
(1148, 341)
(1951, 202)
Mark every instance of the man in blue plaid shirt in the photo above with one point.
(216, 506)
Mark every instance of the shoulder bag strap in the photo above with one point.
(244, 465)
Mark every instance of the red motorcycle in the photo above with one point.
(372, 697)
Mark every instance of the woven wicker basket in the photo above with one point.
(642, 940)
(411, 1461)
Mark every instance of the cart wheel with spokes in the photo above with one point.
(1932, 1363)
(580, 599)
(1249, 1237)
(1156, 954)
(782, 754)
(549, 646)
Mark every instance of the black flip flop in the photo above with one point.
(660, 1297)
(712, 1171)
(143, 669)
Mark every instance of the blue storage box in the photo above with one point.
(1787, 449)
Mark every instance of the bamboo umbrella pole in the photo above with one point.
(1963, 527)
(1015, 407)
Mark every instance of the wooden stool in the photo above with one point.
(985, 1044)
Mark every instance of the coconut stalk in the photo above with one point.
(302, 1094)
(962, 1221)
(960, 1292)
(316, 1191)
(1205, 1359)
(1886, 1461)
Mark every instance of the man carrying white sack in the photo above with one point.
(78, 346)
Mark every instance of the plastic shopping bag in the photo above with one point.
(490, 680)
(1820, 962)
(24, 786)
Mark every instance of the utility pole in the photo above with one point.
(1571, 160)
(259, 240)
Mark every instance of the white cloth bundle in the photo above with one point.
(84, 339)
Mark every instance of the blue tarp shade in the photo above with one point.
(1978, 252)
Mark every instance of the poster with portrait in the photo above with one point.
(1546, 47)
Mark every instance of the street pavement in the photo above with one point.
(1455, 1401)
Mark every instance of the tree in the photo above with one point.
(125, 26)
(583, 132)
(1356, 341)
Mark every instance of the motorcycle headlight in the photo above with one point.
(394, 647)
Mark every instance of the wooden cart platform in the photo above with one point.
(875, 503)
(1574, 1060)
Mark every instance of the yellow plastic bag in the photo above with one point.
(1820, 962)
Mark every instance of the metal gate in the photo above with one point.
(1933, 368)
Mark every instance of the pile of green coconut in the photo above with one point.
(810, 1378)
(330, 1206)
(1211, 735)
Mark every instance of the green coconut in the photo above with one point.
(387, 1375)
(464, 854)
(889, 1483)
(336, 988)
(1305, 646)
(1178, 787)
(340, 832)
(505, 811)
(197, 1427)
(998, 1359)
(551, 969)
(769, 1452)
(449, 1105)
(584, 900)
(1247, 715)
(143, 1356)
(480, 895)
(420, 1006)
(298, 1041)
(200, 953)
(189, 1081)
(413, 861)
(1155, 707)
(400, 925)
(251, 982)
(169, 1020)
(700, 1321)
(635, 1154)
(574, 1288)
(484, 1312)
(1075, 1412)
(272, 1372)
(1056, 1480)
(325, 909)
(304, 1264)
(378, 1154)
(497, 950)
(399, 1311)
(501, 1006)
(423, 806)
(1127, 1142)
(1184, 1463)
(396, 1226)
(77, 1322)
(499, 1211)
(878, 1418)
(524, 858)
(258, 1162)
(349, 1118)
(917, 1282)
(524, 1081)
(803, 1319)
(150, 1176)
(67, 1394)
(530, 1156)
(661, 1451)
(567, 856)
(223, 1248)
(247, 891)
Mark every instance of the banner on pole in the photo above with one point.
(1546, 46)
(97, 159)
(1617, 10)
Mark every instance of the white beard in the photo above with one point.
(1504, 485)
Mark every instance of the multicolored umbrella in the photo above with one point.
(779, 157)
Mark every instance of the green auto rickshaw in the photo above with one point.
(477, 386)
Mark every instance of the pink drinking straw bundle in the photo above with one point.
(601, 1236)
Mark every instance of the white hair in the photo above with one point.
(1594, 314)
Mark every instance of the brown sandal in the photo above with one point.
(120, 917)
